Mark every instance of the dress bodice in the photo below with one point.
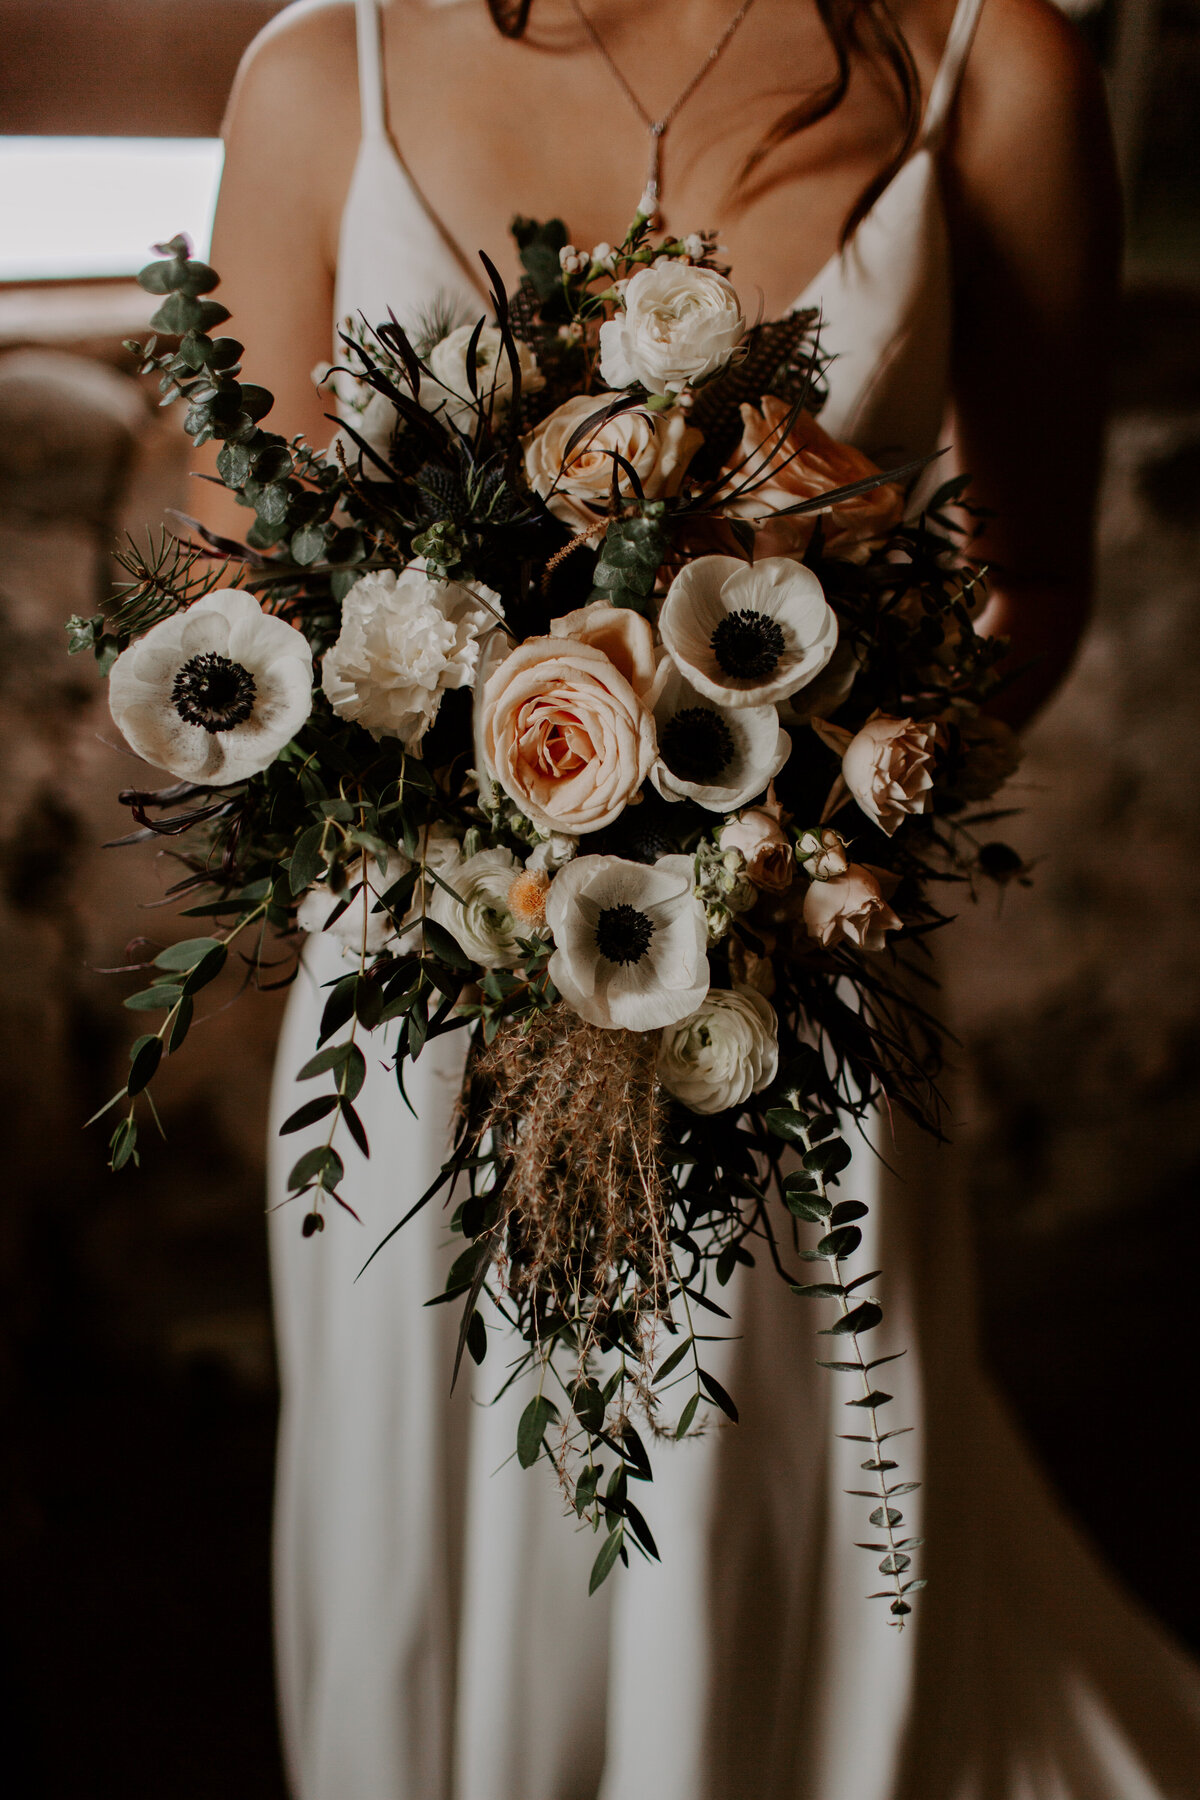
(884, 299)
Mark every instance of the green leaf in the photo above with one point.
(610, 1549)
(233, 465)
(439, 942)
(842, 1242)
(187, 954)
(588, 1402)
(206, 970)
(819, 1290)
(841, 1368)
(321, 1164)
(307, 862)
(716, 1392)
(144, 1058)
(903, 1487)
(886, 1515)
(895, 1564)
(155, 999)
(875, 1398)
(309, 1113)
(673, 1361)
(686, 1416)
(308, 544)
(180, 1025)
(860, 1318)
(827, 1158)
(845, 1210)
(331, 1057)
(477, 1338)
(785, 1122)
(534, 1423)
(122, 1146)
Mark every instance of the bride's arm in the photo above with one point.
(291, 137)
(1036, 218)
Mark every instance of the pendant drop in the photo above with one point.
(648, 204)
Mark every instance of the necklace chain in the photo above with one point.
(658, 127)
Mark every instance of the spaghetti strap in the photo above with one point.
(370, 69)
(949, 72)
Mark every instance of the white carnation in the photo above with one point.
(364, 925)
(722, 1053)
(405, 639)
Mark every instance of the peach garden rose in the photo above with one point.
(802, 464)
(565, 734)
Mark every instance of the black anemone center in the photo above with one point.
(748, 644)
(623, 933)
(212, 691)
(697, 745)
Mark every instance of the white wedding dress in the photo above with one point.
(436, 1640)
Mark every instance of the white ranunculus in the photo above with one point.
(450, 390)
(722, 1053)
(405, 639)
(678, 325)
(364, 925)
(719, 756)
(214, 693)
(748, 634)
(886, 768)
(477, 915)
(630, 941)
(850, 906)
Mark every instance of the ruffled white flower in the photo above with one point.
(630, 941)
(552, 852)
(364, 925)
(722, 1053)
(214, 693)
(449, 392)
(748, 634)
(478, 915)
(719, 756)
(678, 325)
(405, 639)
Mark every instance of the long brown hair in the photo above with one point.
(853, 26)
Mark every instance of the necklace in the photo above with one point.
(658, 127)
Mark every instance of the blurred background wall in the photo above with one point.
(136, 1375)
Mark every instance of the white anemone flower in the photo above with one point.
(630, 941)
(214, 693)
(748, 634)
(722, 1053)
(406, 638)
(719, 756)
(477, 914)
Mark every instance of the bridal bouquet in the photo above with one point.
(594, 703)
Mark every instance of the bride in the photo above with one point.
(938, 179)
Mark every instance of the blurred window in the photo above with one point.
(75, 207)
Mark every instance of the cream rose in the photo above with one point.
(766, 846)
(565, 734)
(678, 325)
(801, 464)
(850, 906)
(576, 484)
(722, 1053)
(450, 389)
(886, 768)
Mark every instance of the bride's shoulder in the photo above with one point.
(303, 59)
(1030, 75)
